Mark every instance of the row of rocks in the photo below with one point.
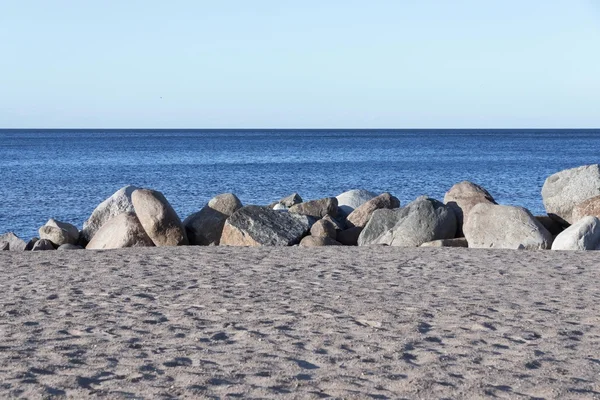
(469, 216)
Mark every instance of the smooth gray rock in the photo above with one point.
(159, 219)
(118, 203)
(205, 227)
(564, 190)
(462, 197)
(352, 199)
(279, 207)
(262, 226)
(361, 215)
(316, 208)
(323, 228)
(43, 244)
(14, 242)
(318, 241)
(124, 230)
(68, 247)
(582, 235)
(422, 220)
(456, 242)
(59, 232)
(505, 227)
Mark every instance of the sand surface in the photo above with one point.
(300, 323)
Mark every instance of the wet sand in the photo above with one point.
(197, 322)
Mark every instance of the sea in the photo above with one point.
(64, 174)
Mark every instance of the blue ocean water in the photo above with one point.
(64, 174)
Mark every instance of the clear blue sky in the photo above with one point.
(306, 64)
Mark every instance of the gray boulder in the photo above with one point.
(59, 232)
(68, 247)
(582, 235)
(323, 228)
(505, 227)
(159, 219)
(205, 227)
(349, 237)
(352, 199)
(456, 242)
(14, 242)
(361, 215)
(118, 203)
(43, 244)
(262, 226)
(462, 197)
(423, 220)
(124, 230)
(566, 189)
(314, 241)
(316, 208)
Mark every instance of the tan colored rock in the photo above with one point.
(462, 197)
(124, 230)
(457, 242)
(505, 227)
(316, 208)
(314, 241)
(59, 232)
(205, 227)
(587, 208)
(323, 228)
(361, 215)
(159, 219)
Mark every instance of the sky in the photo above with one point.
(300, 64)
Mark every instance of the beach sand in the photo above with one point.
(380, 322)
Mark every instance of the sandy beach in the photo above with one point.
(373, 322)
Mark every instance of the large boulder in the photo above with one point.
(205, 227)
(423, 220)
(352, 199)
(361, 215)
(118, 203)
(323, 228)
(14, 242)
(316, 208)
(318, 241)
(42, 245)
(159, 219)
(587, 208)
(505, 227)
(124, 230)
(582, 235)
(566, 189)
(59, 232)
(261, 226)
(462, 197)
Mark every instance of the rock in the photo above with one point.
(43, 244)
(566, 189)
(68, 246)
(124, 230)
(505, 227)
(31, 243)
(290, 200)
(457, 242)
(279, 207)
(261, 226)
(118, 203)
(349, 237)
(323, 228)
(589, 207)
(554, 227)
(59, 233)
(314, 241)
(423, 220)
(339, 226)
(316, 208)
(159, 219)
(4, 246)
(205, 227)
(582, 235)
(352, 199)
(462, 197)
(14, 242)
(361, 215)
